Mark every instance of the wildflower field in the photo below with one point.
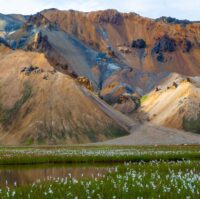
(139, 172)
(91, 154)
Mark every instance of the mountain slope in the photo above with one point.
(46, 57)
(175, 102)
(10, 23)
(145, 51)
(43, 106)
(171, 47)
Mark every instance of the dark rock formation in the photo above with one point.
(139, 43)
(186, 45)
(157, 89)
(171, 20)
(175, 85)
(161, 57)
(164, 44)
(28, 70)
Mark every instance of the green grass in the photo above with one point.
(143, 171)
(192, 125)
(7, 115)
(9, 156)
(143, 99)
(144, 180)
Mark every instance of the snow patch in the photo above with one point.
(113, 67)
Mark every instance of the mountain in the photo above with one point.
(146, 50)
(175, 103)
(111, 29)
(40, 105)
(71, 74)
(10, 23)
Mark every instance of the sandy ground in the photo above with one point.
(148, 134)
(144, 134)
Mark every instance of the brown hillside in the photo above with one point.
(179, 43)
(43, 106)
(176, 99)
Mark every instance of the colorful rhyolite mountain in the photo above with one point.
(65, 76)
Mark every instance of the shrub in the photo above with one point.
(143, 98)
(8, 114)
(192, 125)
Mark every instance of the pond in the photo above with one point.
(25, 175)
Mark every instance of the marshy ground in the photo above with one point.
(100, 172)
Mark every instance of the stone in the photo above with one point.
(164, 44)
(161, 57)
(157, 89)
(175, 85)
(23, 69)
(46, 77)
(139, 43)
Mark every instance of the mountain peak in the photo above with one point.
(38, 20)
(107, 16)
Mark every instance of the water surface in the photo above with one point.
(24, 175)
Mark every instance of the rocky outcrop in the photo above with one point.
(31, 69)
(38, 20)
(164, 44)
(186, 45)
(126, 107)
(112, 92)
(127, 103)
(139, 43)
(110, 16)
(85, 82)
(172, 20)
(39, 43)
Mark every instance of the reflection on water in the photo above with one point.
(23, 175)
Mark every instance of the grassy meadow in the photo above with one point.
(140, 172)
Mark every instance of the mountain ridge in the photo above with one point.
(119, 57)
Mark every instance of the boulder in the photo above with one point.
(139, 43)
